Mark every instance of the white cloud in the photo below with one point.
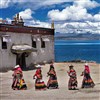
(78, 27)
(41, 3)
(76, 12)
(97, 17)
(26, 14)
(52, 2)
(57, 15)
(70, 13)
(7, 3)
(86, 3)
(34, 4)
(37, 23)
(4, 3)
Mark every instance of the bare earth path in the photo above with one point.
(6, 93)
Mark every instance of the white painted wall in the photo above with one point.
(8, 59)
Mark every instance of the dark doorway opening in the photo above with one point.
(20, 60)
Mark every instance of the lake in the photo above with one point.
(67, 50)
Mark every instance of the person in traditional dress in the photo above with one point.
(52, 82)
(72, 84)
(39, 83)
(18, 80)
(87, 80)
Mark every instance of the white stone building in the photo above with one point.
(25, 45)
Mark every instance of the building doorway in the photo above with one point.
(22, 51)
(20, 60)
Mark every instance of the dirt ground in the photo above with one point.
(6, 93)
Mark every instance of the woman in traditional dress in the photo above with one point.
(39, 83)
(18, 80)
(52, 82)
(72, 84)
(87, 80)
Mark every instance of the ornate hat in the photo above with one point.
(38, 66)
(71, 66)
(16, 66)
(86, 64)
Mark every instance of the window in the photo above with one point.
(5, 39)
(42, 43)
(33, 43)
(4, 43)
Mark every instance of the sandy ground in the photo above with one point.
(6, 93)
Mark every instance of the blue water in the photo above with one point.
(67, 50)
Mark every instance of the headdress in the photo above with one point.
(16, 66)
(38, 66)
(86, 64)
(71, 66)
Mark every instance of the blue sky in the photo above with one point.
(69, 16)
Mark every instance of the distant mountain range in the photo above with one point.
(77, 36)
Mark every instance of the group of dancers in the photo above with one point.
(52, 82)
(19, 83)
(87, 80)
